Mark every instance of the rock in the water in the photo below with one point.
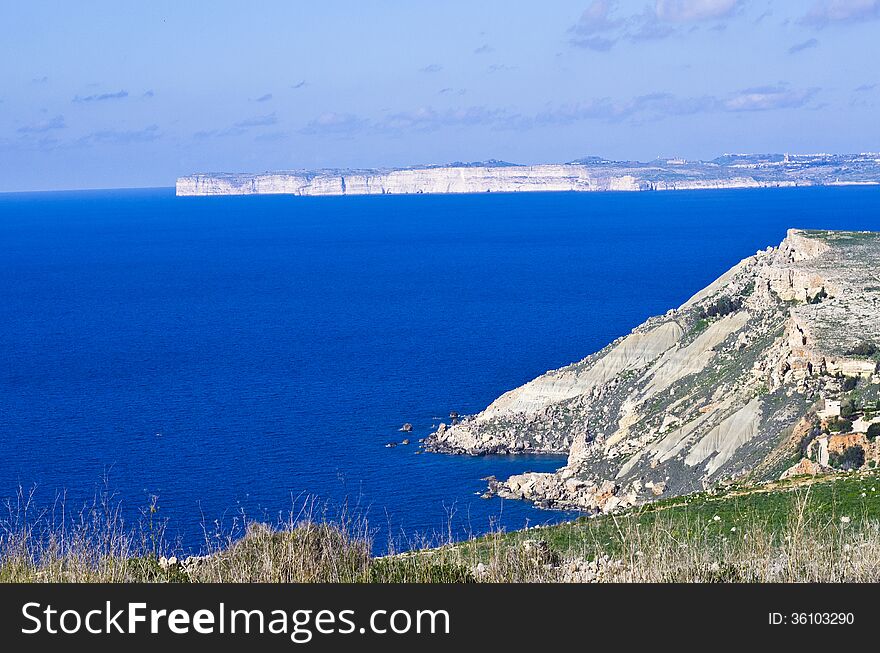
(407, 428)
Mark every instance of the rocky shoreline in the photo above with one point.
(771, 370)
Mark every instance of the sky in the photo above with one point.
(133, 93)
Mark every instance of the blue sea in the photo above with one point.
(239, 355)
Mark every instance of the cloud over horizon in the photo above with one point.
(118, 95)
(238, 128)
(646, 107)
(333, 123)
(124, 136)
(827, 12)
(43, 126)
(257, 121)
(803, 45)
(600, 26)
(768, 98)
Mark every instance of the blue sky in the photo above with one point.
(124, 93)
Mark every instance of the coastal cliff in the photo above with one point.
(744, 381)
(584, 175)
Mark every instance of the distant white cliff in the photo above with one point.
(593, 174)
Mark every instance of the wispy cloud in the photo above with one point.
(40, 80)
(500, 68)
(264, 98)
(429, 119)
(271, 137)
(804, 45)
(827, 12)
(149, 93)
(299, 84)
(655, 106)
(693, 11)
(431, 68)
(649, 28)
(865, 88)
(760, 19)
(597, 43)
(238, 128)
(642, 107)
(596, 19)
(145, 135)
(601, 26)
(484, 49)
(422, 119)
(768, 98)
(257, 121)
(44, 126)
(330, 123)
(47, 137)
(101, 97)
(647, 107)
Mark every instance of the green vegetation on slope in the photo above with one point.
(824, 500)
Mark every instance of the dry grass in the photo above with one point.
(674, 545)
(806, 549)
(684, 547)
(299, 553)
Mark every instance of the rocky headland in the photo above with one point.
(582, 175)
(769, 371)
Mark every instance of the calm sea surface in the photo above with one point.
(240, 354)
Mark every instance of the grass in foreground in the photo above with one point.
(823, 530)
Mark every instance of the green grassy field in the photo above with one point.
(707, 514)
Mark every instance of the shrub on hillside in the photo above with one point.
(873, 431)
(864, 348)
(850, 458)
(840, 425)
(416, 569)
(818, 297)
(722, 306)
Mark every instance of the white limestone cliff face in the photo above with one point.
(443, 180)
(584, 175)
(709, 391)
(410, 181)
(632, 353)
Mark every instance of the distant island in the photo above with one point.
(582, 175)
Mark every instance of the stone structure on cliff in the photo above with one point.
(727, 386)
